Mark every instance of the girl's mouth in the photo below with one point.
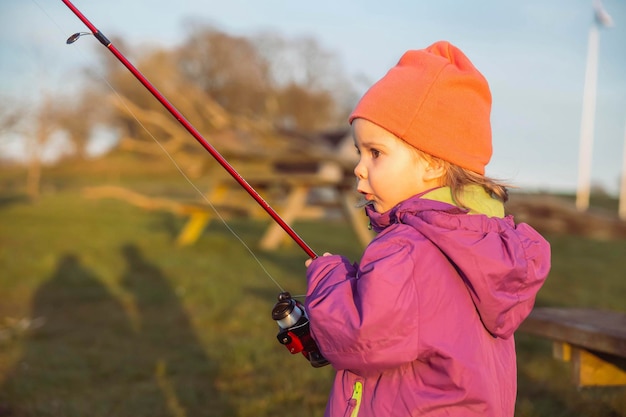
(365, 199)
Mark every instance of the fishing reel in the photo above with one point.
(293, 329)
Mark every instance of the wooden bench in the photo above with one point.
(593, 341)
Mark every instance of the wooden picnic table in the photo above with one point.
(592, 340)
(288, 181)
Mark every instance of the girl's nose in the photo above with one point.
(360, 171)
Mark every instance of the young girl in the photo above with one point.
(423, 325)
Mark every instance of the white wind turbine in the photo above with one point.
(601, 19)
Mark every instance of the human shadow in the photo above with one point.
(74, 361)
(169, 348)
(8, 199)
(91, 357)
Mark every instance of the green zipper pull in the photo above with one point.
(356, 396)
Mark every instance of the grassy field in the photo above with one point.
(102, 315)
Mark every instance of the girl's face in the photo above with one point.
(389, 170)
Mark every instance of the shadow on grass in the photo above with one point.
(11, 199)
(91, 357)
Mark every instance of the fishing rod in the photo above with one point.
(186, 124)
(289, 314)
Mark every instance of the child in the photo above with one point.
(423, 325)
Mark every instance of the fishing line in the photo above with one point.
(100, 37)
(195, 187)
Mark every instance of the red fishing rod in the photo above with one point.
(187, 125)
(289, 314)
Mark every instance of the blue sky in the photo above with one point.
(533, 53)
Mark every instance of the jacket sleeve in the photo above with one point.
(364, 318)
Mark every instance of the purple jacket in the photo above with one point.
(423, 326)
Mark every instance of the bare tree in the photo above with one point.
(228, 87)
(9, 115)
(34, 127)
(308, 83)
(227, 68)
(78, 117)
(43, 127)
(292, 83)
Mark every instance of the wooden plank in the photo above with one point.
(596, 330)
(295, 204)
(562, 351)
(193, 228)
(593, 341)
(594, 369)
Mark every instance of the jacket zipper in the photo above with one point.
(357, 393)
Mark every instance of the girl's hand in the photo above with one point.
(308, 261)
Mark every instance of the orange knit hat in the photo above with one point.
(437, 101)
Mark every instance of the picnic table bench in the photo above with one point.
(593, 341)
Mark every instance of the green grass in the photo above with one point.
(136, 326)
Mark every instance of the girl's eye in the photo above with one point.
(375, 153)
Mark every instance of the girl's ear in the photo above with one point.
(435, 169)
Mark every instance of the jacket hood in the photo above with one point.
(503, 265)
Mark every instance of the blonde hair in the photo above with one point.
(458, 178)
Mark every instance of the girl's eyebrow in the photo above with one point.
(370, 144)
